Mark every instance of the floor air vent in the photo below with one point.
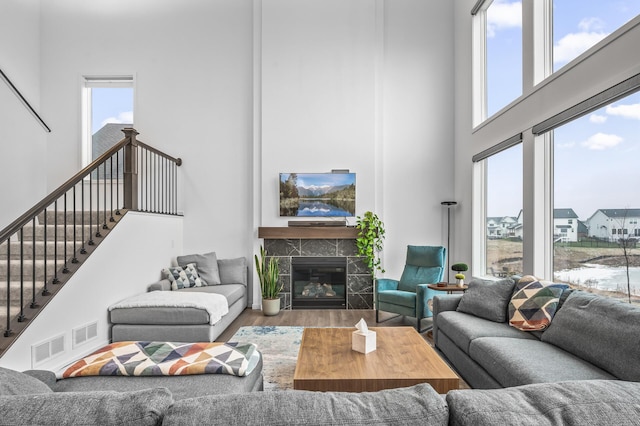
(47, 350)
(85, 333)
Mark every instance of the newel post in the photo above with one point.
(131, 169)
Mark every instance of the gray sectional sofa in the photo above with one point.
(25, 400)
(590, 338)
(227, 277)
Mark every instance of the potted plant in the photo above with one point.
(370, 241)
(269, 276)
(459, 268)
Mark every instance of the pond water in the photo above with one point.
(602, 277)
(319, 208)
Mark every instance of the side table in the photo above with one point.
(449, 288)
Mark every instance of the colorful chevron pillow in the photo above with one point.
(183, 277)
(534, 303)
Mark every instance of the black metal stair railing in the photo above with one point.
(130, 176)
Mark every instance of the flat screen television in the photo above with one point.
(318, 194)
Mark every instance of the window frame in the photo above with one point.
(89, 82)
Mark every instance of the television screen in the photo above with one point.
(318, 194)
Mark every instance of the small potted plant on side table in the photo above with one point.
(459, 268)
(269, 276)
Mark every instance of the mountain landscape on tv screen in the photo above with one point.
(317, 194)
(318, 191)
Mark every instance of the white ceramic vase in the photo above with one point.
(271, 307)
(461, 283)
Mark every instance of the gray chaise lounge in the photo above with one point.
(173, 324)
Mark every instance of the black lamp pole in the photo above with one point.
(448, 205)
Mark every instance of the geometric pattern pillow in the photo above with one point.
(134, 358)
(183, 277)
(534, 303)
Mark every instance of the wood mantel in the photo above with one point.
(307, 232)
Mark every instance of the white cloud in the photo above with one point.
(591, 24)
(123, 117)
(631, 111)
(566, 145)
(597, 119)
(573, 44)
(502, 15)
(601, 141)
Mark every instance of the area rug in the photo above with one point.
(279, 347)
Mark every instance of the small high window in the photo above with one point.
(107, 109)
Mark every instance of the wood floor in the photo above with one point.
(318, 318)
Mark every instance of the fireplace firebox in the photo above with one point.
(318, 282)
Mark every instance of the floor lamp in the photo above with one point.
(448, 205)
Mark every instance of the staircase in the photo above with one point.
(55, 251)
(44, 247)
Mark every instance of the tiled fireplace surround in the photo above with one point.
(359, 284)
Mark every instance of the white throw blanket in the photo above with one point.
(215, 304)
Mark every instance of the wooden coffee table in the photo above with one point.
(326, 362)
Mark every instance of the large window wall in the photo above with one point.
(596, 233)
(579, 207)
(504, 212)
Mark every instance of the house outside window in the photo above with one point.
(580, 159)
(503, 252)
(107, 109)
(586, 154)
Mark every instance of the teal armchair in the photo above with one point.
(409, 296)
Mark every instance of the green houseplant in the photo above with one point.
(370, 241)
(460, 268)
(269, 276)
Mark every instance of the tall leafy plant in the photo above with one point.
(370, 240)
(268, 274)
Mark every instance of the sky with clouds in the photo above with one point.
(111, 105)
(595, 156)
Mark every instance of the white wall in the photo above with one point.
(242, 90)
(361, 85)
(192, 61)
(22, 139)
(128, 260)
(418, 125)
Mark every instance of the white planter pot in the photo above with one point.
(460, 283)
(271, 307)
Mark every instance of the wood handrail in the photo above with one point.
(78, 177)
(178, 161)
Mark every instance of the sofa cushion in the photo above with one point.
(534, 303)
(487, 299)
(418, 404)
(207, 265)
(145, 407)
(591, 402)
(168, 315)
(463, 328)
(515, 362)
(183, 277)
(233, 271)
(16, 383)
(600, 330)
(233, 292)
